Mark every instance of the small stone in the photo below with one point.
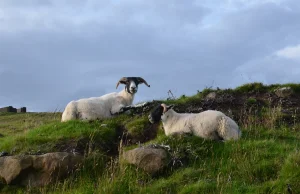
(4, 153)
(211, 96)
(284, 92)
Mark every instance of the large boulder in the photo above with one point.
(38, 170)
(151, 160)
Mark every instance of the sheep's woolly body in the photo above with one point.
(208, 124)
(97, 107)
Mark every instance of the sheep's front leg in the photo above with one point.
(125, 108)
(141, 105)
(120, 110)
(133, 107)
(181, 134)
(130, 107)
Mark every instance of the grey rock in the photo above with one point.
(38, 170)
(211, 96)
(284, 92)
(151, 160)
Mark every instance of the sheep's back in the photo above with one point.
(95, 106)
(205, 124)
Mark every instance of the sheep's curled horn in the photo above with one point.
(124, 80)
(141, 80)
(166, 108)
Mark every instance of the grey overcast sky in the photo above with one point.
(55, 51)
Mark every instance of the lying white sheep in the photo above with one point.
(209, 124)
(104, 106)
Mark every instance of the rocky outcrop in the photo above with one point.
(38, 170)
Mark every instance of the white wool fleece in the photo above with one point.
(97, 107)
(209, 124)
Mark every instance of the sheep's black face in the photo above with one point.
(132, 86)
(131, 83)
(155, 115)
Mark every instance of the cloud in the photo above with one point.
(268, 70)
(55, 51)
(290, 52)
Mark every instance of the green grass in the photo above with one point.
(256, 164)
(264, 160)
(16, 123)
(251, 101)
(260, 87)
(136, 125)
(255, 87)
(47, 138)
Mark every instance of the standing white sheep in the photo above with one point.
(209, 124)
(104, 106)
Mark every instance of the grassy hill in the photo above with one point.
(265, 160)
